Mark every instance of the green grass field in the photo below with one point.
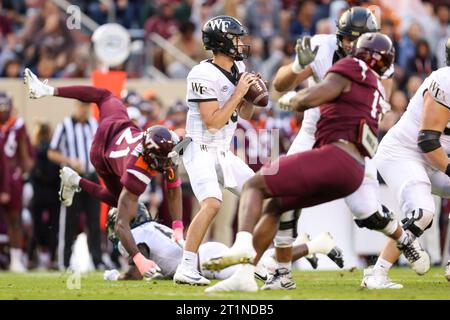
(310, 285)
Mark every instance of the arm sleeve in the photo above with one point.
(200, 88)
(439, 89)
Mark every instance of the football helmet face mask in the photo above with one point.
(157, 143)
(5, 107)
(376, 50)
(224, 34)
(353, 23)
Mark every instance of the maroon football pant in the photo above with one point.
(313, 177)
(109, 105)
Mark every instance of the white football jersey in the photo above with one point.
(208, 82)
(166, 253)
(401, 139)
(322, 63)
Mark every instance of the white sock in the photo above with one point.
(247, 269)
(382, 265)
(244, 239)
(189, 259)
(316, 246)
(16, 255)
(287, 265)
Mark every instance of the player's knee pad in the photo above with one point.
(287, 230)
(380, 220)
(418, 221)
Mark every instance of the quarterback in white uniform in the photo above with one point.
(314, 57)
(412, 159)
(215, 92)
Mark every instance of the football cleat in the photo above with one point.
(417, 257)
(242, 280)
(378, 279)
(189, 276)
(261, 273)
(69, 185)
(280, 280)
(234, 255)
(336, 255)
(17, 267)
(36, 88)
(313, 261)
(447, 271)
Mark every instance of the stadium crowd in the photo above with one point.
(34, 34)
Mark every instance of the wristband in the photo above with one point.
(174, 184)
(177, 224)
(447, 171)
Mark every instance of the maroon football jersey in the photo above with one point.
(342, 118)
(12, 134)
(116, 156)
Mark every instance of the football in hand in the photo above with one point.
(257, 94)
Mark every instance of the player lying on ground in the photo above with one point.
(412, 159)
(314, 56)
(346, 133)
(125, 157)
(154, 242)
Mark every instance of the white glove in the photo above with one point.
(285, 101)
(111, 275)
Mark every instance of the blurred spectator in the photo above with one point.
(135, 115)
(263, 18)
(256, 58)
(442, 32)
(44, 204)
(303, 21)
(164, 23)
(412, 85)
(187, 43)
(423, 63)
(176, 118)
(399, 102)
(46, 37)
(122, 10)
(79, 67)
(6, 25)
(12, 69)
(276, 57)
(407, 44)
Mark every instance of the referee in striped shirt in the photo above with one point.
(70, 146)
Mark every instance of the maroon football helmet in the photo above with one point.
(5, 107)
(376, 50)
(157, 143)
